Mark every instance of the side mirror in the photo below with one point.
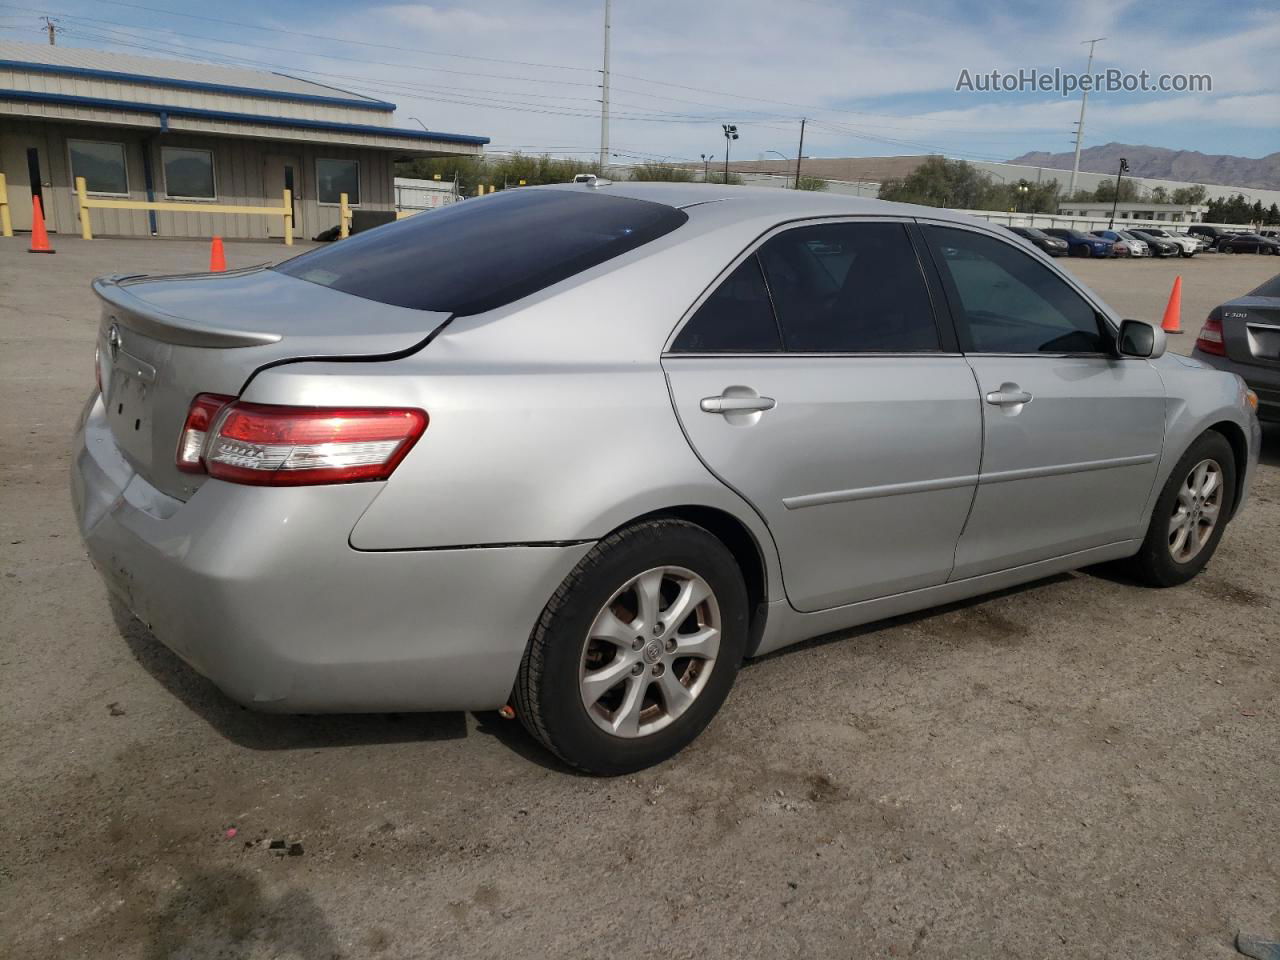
(1137, 338)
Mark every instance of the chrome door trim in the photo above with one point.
(945, 483)
(883, 490)
(1058, 469)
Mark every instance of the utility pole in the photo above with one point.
(53, 29)
(799, 153)
(1084, 99)
(1124, 168)
(604, 90)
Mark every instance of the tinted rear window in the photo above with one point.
(480, 254)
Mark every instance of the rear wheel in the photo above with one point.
(637, 649)
(1190, 514)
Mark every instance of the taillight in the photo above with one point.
(292, 446)
(195, 431)
(1209, 339)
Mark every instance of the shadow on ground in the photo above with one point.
(224, 913)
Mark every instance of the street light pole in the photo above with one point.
(706, 165)
(1124, 168)
(799, 153)
(730, 134)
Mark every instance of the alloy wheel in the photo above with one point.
(650, 652)
(1195, 511)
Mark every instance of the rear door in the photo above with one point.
(1072, 433)
(815, 380)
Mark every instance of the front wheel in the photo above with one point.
(637, 649)
(1190, 515)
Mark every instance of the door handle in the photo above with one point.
(725, 404)
(1009, 395)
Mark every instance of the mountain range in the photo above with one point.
(1165, 164)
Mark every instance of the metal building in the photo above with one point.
(142, 129)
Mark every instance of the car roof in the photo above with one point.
(711, 203)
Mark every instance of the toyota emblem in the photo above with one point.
(113, 341)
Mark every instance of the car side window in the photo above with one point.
(736, 318)
(849, 288)
(1009, 302)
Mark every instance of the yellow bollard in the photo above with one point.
(86, 227)
(288, 217)
(6, 223)
(344, 230)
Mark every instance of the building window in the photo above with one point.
(101, 164)
(336, 177)
(188, 174)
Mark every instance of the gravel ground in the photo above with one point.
(1077, 768)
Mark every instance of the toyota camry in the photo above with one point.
(576, 452)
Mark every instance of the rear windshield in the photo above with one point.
(480, 254)
(1269, 289)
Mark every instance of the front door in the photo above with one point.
(279, 173)
(25, 162)
(1072, 433)
(815, 381)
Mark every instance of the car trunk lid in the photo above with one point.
(1251, 330)
(163, 340)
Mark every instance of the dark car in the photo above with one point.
(1160, 247)
(1243, 337)
(1249, 243)
(1215, 235)
(1050, 245)
(1083, 244)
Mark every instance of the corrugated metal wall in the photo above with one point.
(240, 169)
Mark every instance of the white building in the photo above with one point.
(1170, 212)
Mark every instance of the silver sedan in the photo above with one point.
(575, 452)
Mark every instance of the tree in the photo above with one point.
(816, 184)
(1273, 215)
(1158, 195)
(499, 172)
(1130, 192)
(1189, 196)
(939, 182)
(662, 171)
(1233, 209)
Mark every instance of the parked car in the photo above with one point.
(1249, 243)
(615, 440)
(1082, 244)
(1201, 240)
(1053, 246)
(1160, 246)
(1242, 336)
(1186, 246)
(1120, 246)
(1140, 248)
(1214, 235)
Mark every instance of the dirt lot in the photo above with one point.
(1079, 768)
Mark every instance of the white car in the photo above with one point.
(1189, 247)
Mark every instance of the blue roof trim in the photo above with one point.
(160, 109)
(95, 74)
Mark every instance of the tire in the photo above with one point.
(1157, 564)
(601, 597)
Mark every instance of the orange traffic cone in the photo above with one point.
(1172, 322)
(39, 238)
(217, 259)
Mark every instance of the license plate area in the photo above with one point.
(129, 403)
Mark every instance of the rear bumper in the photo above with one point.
(1264, 381)
(259, 590)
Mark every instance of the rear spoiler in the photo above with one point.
(147, 320)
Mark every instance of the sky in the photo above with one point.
(874, 77)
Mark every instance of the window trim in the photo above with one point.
(124, 153)
(338, 202)
(213, 170)
(952, 295)
(948, 345)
